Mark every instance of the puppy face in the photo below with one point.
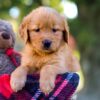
(45, 29)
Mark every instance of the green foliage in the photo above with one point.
(85, 28)
(25, 6)
(56, 4)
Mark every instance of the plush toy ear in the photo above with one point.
(65, 31)
(23, 30)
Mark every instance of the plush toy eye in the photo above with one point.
(37, 30)
(54, 30)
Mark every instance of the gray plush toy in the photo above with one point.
(9, 59)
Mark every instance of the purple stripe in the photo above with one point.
(37, 94)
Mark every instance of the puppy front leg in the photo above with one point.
(18, 78)
(47, 77)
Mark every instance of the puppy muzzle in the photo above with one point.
(47, 44)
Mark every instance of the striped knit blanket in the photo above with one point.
(65, 86)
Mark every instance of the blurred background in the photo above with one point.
(83, 17)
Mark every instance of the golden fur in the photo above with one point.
(41, 24)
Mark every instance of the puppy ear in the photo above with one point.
(23, 29)
(66, 31)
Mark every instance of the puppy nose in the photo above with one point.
(5, 36)
(47, 44)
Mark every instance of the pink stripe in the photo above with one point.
(61, 87)
(32, 99)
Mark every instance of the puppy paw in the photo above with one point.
(17, 83)
(47, 84)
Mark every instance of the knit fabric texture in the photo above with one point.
(9, 60)
(65, 86)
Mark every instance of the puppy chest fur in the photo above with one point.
(36, 62)
(61, 59)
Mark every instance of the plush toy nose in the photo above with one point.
(47, 44)
(5, 36)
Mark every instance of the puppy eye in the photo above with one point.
(37, 30)
(54, 30)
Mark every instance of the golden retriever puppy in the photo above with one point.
(46, 51)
